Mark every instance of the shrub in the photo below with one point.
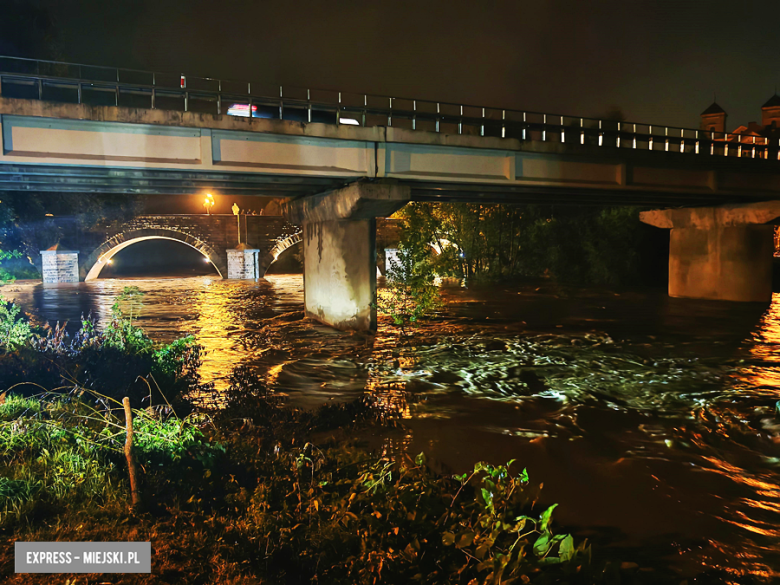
(410, 294)
(15, 331)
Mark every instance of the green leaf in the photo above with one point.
(420, 459)
(448, 539)
(546, 518)
(566, 550)
(542, 545)
(488, 497)
(487, 564)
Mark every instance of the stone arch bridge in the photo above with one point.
(82, 254)
(263, 238)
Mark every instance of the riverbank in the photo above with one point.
(627, 436)
(296, 508)
(18, 285)
(243, 495)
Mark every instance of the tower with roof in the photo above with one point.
(713, 119)
(770, 112)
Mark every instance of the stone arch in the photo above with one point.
(281, 245)
(92, 265)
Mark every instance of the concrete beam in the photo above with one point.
(358, 200)
(721, 253)
(710, 217)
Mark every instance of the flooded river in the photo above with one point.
(653, 422)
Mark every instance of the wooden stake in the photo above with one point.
(136, 498)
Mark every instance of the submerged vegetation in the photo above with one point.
(410, 293)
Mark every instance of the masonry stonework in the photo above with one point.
(59, 266)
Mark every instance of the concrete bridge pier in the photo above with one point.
(722, 253)
(243, 263)
(339, 250)
(59, 265)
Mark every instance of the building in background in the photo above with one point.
(713, 120)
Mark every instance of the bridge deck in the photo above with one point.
(78, 147)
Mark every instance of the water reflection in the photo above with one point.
(651, 421)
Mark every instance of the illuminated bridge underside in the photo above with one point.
(77, 147)
(96, 261)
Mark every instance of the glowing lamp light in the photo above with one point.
(208, 202)
(349, 121)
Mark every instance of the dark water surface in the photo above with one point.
(653, 422)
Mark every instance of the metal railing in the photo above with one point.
(96, 85)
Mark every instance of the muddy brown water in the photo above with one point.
(654, 423)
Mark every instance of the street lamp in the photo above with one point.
(236, 212)
(208, 203)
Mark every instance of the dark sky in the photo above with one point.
(659, 60)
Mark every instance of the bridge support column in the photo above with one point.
(59, 265)
(339, 250)
(243, 263)
(722, 253)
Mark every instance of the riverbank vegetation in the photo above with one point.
(569, 244)
(253, 491)
(117, 359)
(228, 501)
(410, 293)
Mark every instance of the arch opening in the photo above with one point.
(106, 256)
(288, 261)
(278, 251)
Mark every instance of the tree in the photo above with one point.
(574, 244)
(411, 294)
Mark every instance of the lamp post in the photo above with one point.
(236, 212)
(208, 203)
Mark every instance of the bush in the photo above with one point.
(118, 360)
(329, 516)
(410, 294)
(15, 332)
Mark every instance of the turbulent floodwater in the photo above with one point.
(653, 422)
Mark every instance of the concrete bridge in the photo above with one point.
(344, 162)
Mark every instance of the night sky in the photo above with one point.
(659, 60)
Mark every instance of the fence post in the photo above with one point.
(134, 494)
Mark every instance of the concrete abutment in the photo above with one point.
(721, 253)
